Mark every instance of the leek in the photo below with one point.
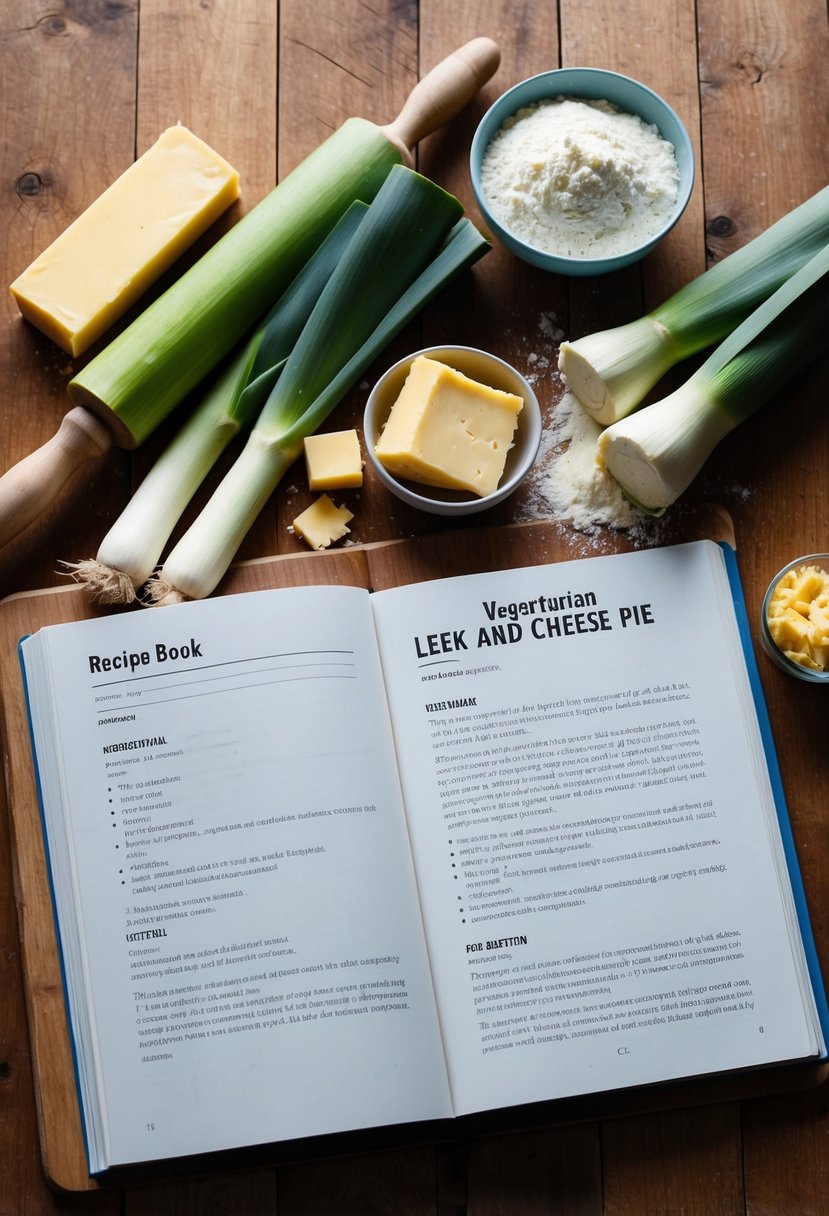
(407, 248)
(611, 372)
(170, 347)
(655, 453)
(131, 549)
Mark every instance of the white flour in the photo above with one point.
(580, 178)
(568, 484)
(565, 483)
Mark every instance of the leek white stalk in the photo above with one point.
(655, 453)
(131, 549)
(407, 248)
(612, 371)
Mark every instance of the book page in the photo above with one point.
(591, 822)
(249, 934)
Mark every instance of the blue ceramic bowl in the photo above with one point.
(595, 84)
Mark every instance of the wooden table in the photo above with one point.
(84, 87)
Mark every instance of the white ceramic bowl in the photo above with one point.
(593, 84)
(478, 365)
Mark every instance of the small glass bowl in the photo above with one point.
(769, 645)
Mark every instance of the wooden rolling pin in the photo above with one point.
(100, 415)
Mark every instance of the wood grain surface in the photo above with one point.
(85, 86)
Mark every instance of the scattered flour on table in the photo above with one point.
(566, 484)
(549, 327)
(580, 178)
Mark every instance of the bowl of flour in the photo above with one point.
(581, 171)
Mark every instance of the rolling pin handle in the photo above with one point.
(443, 92)
(32, 485)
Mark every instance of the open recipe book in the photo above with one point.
(323, 859)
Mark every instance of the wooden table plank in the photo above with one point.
(248, 1191)
(765, 116)
(786, 1161)
(554, 1170)
(214, 69)
(399, 1181)
(339, 62)
(67, 93)
(66, 87)
(687, 1162)
(656, 44)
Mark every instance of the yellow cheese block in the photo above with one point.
(322, 523)
(448, 430)
(115, 249)
(333, 460)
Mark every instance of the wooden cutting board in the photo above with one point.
(380, 565)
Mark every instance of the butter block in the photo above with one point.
(448, 430)
(322, 523)
(133, 232)
(333, 461)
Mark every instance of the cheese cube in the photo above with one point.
(322, 523)
(790, 631)
(333, 460)
(134, 231)
(807, 586)
(448, 430)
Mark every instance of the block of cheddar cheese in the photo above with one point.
(131, 234)
(448, 430)
(333, 460)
